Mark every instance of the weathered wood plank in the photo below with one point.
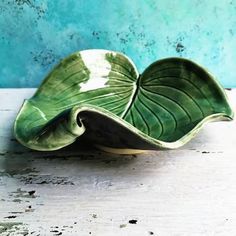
(189, 191)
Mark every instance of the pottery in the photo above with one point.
(100, 96)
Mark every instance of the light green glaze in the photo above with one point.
(100, 96)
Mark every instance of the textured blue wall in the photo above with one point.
(35, 35)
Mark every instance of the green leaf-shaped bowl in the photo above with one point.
(100, 96)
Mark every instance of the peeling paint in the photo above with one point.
(13, 228)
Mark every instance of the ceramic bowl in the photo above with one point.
(100, 96)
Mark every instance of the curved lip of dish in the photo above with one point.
(162, 144)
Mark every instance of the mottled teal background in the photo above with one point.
(35, 35)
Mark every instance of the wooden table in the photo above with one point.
(188, 191)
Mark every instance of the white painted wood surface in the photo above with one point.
(189, 191)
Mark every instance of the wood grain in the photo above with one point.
(82, 191)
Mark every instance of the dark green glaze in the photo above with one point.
(99, 95)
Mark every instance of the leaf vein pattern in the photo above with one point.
(172, 100)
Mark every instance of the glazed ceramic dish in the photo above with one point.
(99, 95)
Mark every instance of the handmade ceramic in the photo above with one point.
(100, 96)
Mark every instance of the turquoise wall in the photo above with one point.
(35, 35)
